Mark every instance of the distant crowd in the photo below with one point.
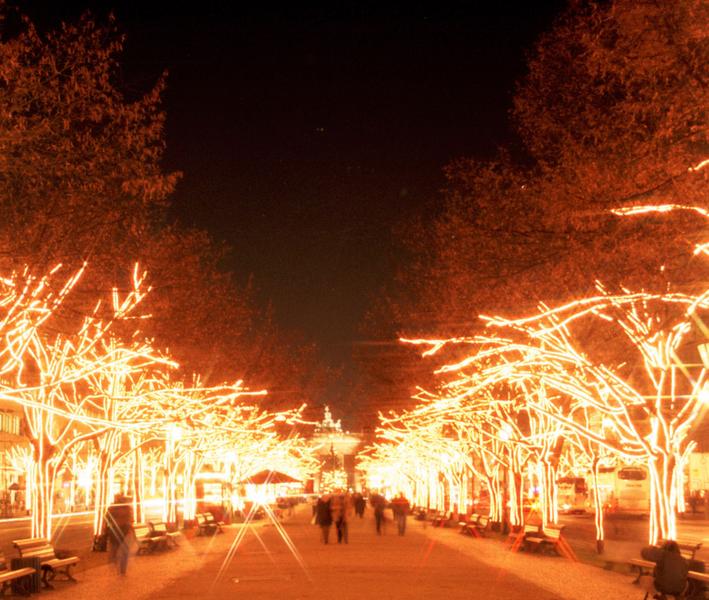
(340, 507)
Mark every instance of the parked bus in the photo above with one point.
(572, 495)
(624, 489)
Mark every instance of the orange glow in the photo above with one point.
(529, 400)
(110, 412)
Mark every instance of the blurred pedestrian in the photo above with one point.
(400, 507)
(323, 516)
(342, 510)
(118, 525)
(359, 505)
(378, 503)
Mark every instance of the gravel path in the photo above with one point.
(567, 579)
(429, 563)
(426, 563)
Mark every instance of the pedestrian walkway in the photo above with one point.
(556, 575)
(430, 563)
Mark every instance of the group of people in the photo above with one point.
(339, 508)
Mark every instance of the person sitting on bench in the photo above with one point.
(671, 569)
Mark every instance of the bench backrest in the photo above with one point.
(483, 520)
(530, 528)
(201, 519)
(43, 553)
(210, 517)
(141, 530)
(689, 547)
(160, 528)
(553, 532)
(29, 543)
(37, 547)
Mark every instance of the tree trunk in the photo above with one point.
(548, 493)
(42, 498)
(598, 505)
(516, 499)
(189, 502)
(138, 485)
(102, 490)
(169, 512)
(663, 497)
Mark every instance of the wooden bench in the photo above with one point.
(688, 550)
(642, 566)
(441, 518)
(145, 540)
(703, 577)
(204, 527)
(646, 567)
(533, 536)
(549, 539)
(160, 531)
(20, 577)
(51, 565)
(469, 526)
(483, 523)
(212, 521)
(519, 535)
(477, 526)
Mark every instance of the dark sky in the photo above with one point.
(304, 134)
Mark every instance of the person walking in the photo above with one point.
(342, 509)
(378, 503)
(118, 525)
(401, 508)
(323, 516)
(359, 505)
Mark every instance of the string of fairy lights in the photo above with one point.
(111, 412)
(614, 378)
(611, 378)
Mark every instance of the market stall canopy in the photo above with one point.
(267, 476)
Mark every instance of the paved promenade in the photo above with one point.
(426, 563)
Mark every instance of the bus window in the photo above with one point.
(572, 494)
(632, 474)
(579, 483)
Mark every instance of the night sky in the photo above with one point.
(305, 134)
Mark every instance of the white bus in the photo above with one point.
(624, 489)
(572, 495)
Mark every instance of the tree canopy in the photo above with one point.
(82, 179)
(611, 113)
